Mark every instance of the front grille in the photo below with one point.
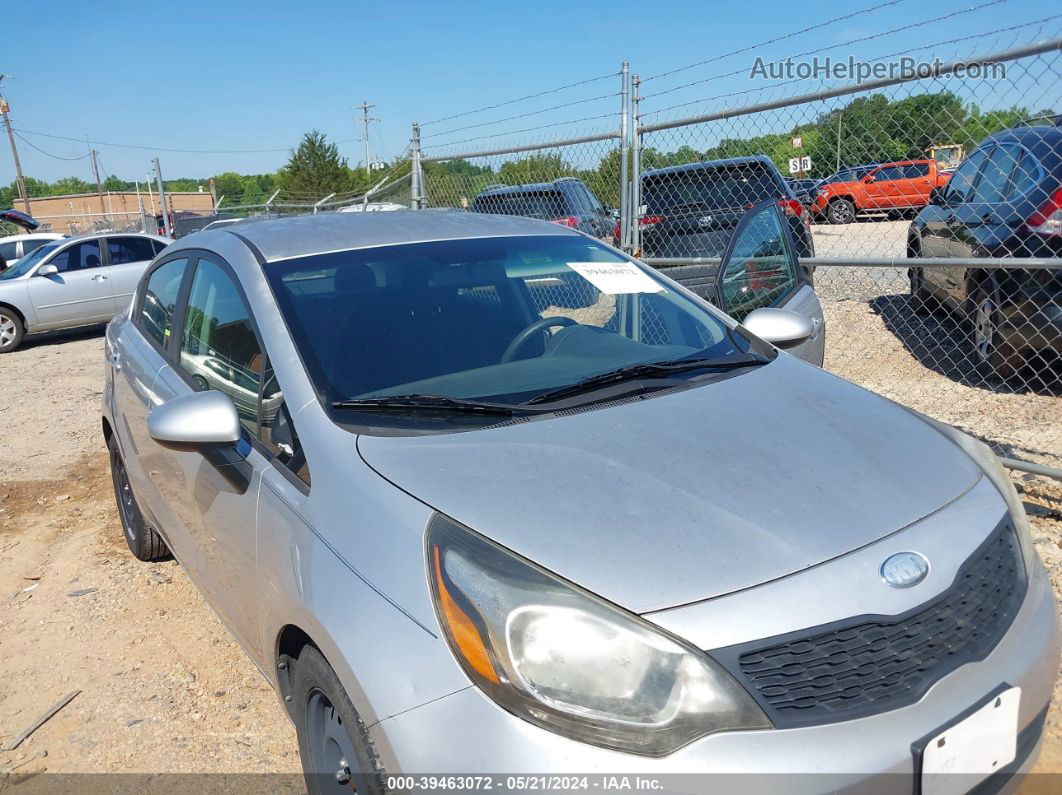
(870, 664)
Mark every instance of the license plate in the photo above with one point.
(968, 752)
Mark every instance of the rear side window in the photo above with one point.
(535, 204)
(80, 256)
(709, 189)
(130, 249)
(33, 244)
(219, 349)
(913, 170)
(961, 184)
(160, 300)
(995, 174)
(1025, 177)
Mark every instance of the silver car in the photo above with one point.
(72, 282)
(522, 504)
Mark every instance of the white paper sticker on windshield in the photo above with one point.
(616, 278)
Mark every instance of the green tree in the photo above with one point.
(315, 169)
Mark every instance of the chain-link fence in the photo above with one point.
(923, 188)
(88, 223)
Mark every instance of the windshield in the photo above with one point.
(710, 189)
(27, 263)
(496, 319)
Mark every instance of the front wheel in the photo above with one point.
(11, 330)
(840, 211)
(338, 755)
(993, 356)
(143, 541)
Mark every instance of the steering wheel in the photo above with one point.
(537, 327)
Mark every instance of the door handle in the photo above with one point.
(99, 277)
(115, 361)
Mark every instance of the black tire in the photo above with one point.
(840, 211)
(11, 330)
(922, 301)
(143, 541)
(994, 358)
(317, 696)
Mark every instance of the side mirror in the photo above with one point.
(204, 423)
(868, 179)
(47, 270)
(780, 327)
(936, 197)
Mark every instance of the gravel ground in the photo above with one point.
(163, 685)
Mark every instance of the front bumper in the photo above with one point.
(467, 733)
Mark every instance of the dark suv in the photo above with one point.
(691, 210)
(1005, 200)
(564, 201)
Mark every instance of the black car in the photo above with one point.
(805, 190)
(1005, 200)
(564, 201)
(691, 210)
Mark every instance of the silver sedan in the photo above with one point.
(513, 502)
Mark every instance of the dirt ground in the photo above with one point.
(163, 687)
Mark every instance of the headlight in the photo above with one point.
(564, 659)
(982, 455)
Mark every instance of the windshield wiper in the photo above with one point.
(424, 403)
(634, 372)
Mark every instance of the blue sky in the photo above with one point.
(235, 75)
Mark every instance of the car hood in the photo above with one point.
(692, 494)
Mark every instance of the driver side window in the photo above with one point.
(761, 268)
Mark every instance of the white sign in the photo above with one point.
(798, 164)
(616, 278)
(798, 142)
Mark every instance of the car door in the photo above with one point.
(975, 221)
(883, 188)
(761, 269)
(128, 258)
(137, 352)
(916, 184)
(212, 520)
(80, 293)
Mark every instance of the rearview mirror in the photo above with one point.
(47, 270)
(204, 423)
(780, 327)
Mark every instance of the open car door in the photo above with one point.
(760, 269)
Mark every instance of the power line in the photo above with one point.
(525, 115)
(517, 132)
(776, 40)
(869, 37)
(522, 99)
(32, 145)
(175, 151)
(875, 58)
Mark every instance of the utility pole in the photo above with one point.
(162, 198)
(14, 152)
(365, 119)
(99, 185)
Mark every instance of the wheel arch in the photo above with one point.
(18, 312)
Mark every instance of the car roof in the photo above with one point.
(32, 236)
(307, 235)
(500, 190)
(1027, 135)
(760, 160)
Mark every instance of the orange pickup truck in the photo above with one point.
(890, 187)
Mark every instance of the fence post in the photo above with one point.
(416, 182)
(635, 210)
(624, 194)
(326, 198)
(269, 201)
